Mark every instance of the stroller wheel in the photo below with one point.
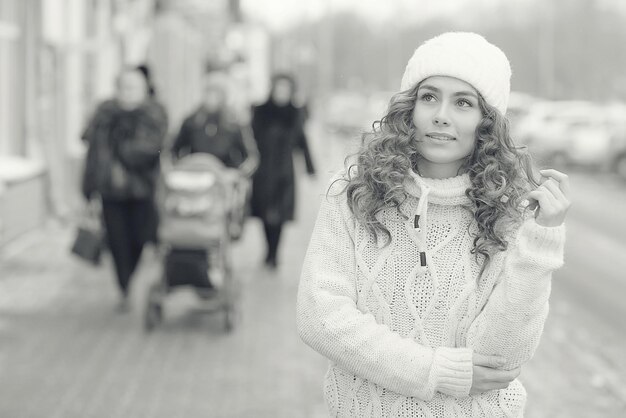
(153, 316)
(229, 318)
(154, 308)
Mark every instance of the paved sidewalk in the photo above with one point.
(65, 352)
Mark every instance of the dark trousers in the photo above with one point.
(272, 236)
(129, 225)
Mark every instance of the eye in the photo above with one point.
(427, 97)
(464, 103)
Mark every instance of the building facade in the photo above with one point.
(58, 59)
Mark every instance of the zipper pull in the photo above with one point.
(416, 225)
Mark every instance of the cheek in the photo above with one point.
(468, 142)
(467, 126)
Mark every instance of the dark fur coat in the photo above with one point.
(278, 131)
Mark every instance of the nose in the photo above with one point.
(440, 118)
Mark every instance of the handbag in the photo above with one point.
(119, 177)
(89, 240)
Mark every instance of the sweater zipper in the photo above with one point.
(422, 254)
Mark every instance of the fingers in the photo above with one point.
(548, 191)
(491, 385)
(503, 376)
(547, 202)
(551, 185)
(485, 378)
(532, 203)
(488, 361)
(551, 197)
(561, 178)
(496, 375)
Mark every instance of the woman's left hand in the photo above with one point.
(551, 198)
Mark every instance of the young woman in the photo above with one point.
(427, 277)
(278, 129)
(124, 140)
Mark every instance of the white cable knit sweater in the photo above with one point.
(399, 323)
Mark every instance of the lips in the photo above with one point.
(438, 136)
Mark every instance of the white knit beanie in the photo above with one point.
(466, 56)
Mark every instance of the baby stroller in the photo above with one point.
(202, 209)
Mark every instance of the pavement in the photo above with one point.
(66, 353)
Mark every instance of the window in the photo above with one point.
(11, 91)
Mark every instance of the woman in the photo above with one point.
(278, 130)
(427, 277)
(124, 140)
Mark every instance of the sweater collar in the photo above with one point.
(450, 191)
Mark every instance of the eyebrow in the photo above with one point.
(458, 93)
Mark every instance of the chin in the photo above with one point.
(438, 158)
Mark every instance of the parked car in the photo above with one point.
(619, 163)
(519, 106)
(572, 132)
(617, 159)
(352, 113)
(345, 113)
(589, 142)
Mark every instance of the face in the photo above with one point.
(282, 92)
(215, 91)
(445, 117)
(132, 89)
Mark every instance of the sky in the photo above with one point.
(280, 14)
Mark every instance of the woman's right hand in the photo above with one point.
(551, 198)
(487, 375)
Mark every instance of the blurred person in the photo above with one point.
(302, 142)
(427, 278)
(215, 129)
(124, 139)
(144, 69)
(278, 130)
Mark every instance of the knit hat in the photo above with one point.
(466, 56)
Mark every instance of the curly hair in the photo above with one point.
(500, 173)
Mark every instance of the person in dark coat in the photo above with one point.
(278, 128)
(124, 139)
(302, 142)
(214, 129)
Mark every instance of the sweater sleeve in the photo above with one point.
(330, 322)
(511, 323)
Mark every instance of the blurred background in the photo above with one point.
(64, 353)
